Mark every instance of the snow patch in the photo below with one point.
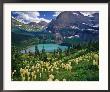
(96, 25)
(77, 36)
(73, 36)
(50, 32)
(75, 13)
(83, 23)
(74, 27)
(70, 37)
(18, 25)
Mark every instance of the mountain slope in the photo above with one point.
(30, 27)
(75, 25)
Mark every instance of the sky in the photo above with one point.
(37, 16)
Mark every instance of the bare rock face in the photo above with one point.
(71, 23)
(33, 24)
(68, 19)
(40, 24)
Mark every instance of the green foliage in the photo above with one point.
(81, 64)
(27, 27)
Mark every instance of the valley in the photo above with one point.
(65, 49)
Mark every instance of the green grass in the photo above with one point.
(78, 66)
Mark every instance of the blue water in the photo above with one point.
(47, 47)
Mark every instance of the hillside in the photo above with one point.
(30, 27)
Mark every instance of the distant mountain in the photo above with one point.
(72, 24)
(40, 24)
(67, 26)
(73, 20)
(30, 27)
(33, 24)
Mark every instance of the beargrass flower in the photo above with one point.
(50, 79)
(64, 79)
(56, 80)
(51, 76)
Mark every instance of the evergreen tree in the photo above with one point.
(59, 53)
(44, 55)
(36, 50)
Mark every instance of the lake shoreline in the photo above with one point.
(49, 47)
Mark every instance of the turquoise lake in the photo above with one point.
(47, 47)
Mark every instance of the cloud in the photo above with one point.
(46, 20)
(29, 16)
(37, 20)
(33, 14)
(56, 13)
(88, 13)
